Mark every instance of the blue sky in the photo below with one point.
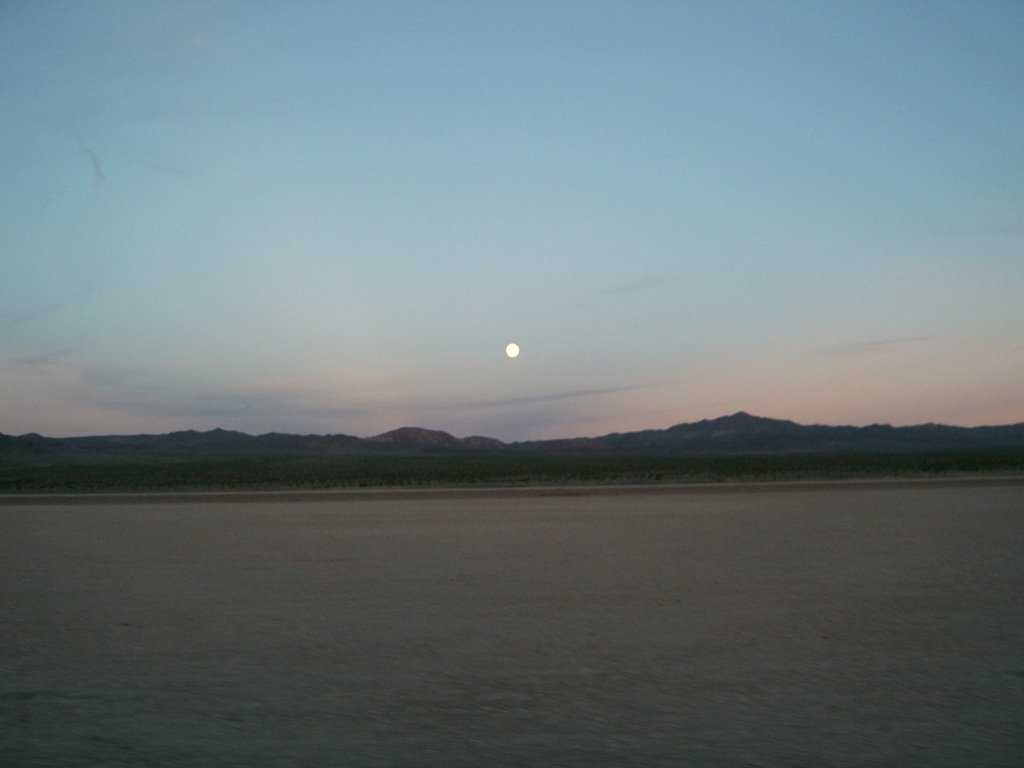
(332, 217)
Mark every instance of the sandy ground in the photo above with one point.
(831, 626)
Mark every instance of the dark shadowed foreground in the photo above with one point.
(844, 626)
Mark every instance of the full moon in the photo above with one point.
(512, 350)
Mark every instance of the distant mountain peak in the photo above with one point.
(740, 417)
(743, 417)
(415, 436)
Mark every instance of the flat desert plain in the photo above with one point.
(819, 625)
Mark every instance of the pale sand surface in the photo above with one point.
(845, 625)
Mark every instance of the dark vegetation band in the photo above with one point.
(116, 473)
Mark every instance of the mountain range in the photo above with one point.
(737, 434)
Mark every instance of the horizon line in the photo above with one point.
(740, 413)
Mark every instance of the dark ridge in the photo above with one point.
(737, 434)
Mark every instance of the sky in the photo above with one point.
(331, 217)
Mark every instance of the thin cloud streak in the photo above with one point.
(44, 358)
(572, 394)
(874, 346)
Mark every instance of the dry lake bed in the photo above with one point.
(818, 625)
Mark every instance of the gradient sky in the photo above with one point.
(332, 217)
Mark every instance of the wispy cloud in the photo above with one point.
(44, 358)
(546, 398)
(177, 397)
(870, 347)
